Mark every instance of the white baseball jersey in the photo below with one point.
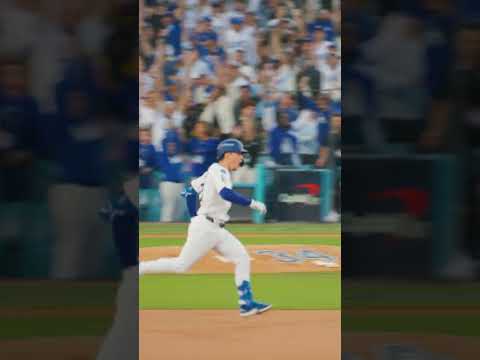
(321, 52)
(208, 187)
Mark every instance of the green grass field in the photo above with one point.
(217, 291)
(63, 309)
(60, 309)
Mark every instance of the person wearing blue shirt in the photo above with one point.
(282, 143)
(203, 34)
(173, 32)
(202, 41)
(19, 126)
(286, 105)
(171, 164)
(147, 159)
(19, 122)
(216, 54)
(324, 22)
(78, 144)
(202, 147)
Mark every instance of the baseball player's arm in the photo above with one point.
(237, 198)
(234, 197)
(225, 191)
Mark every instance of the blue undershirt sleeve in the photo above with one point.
(234, 197)
(190, 196)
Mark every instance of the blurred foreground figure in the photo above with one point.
(123, 215)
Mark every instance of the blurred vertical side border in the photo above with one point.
(68, 179)
(410, 200)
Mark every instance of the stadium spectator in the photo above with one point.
(248, 132)
(329, 157)
(171, 117)
(70, 102)
(219, 111)
(203, 147)
(305, 129)
(78, 141)
(19, 131)
(147, 158)
(245, 97)
(239, 36)
(171, 165)
(283, 144)
(331, 75)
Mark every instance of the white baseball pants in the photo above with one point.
(203, 236)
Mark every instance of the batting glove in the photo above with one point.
(259, 206)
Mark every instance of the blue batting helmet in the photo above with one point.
(230, 145)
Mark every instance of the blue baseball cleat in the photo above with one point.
(248, 309)
(261, 307)
(247, 305)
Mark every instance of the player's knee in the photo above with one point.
(181, 266)
(242, 259)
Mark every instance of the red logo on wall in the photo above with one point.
(313, 189)
(414, 200)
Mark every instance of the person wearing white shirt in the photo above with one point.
(206, 230)
(200, 67)
(284, 79)
(219, 106)
(149, 110)
(196, 9)
(245, 69)
(169, 118)
(305, 129)
(331, 77)
(237, 37)
(237, 9)
(320, 46)
(220, 21)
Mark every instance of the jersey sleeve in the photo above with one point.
(220, 178)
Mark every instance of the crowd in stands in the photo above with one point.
(68, 94)
(267, 72)
(410, 88)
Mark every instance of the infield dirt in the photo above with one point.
(214, 263)
(223, 334)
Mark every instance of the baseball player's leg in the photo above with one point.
(202, 237)
(232, 249)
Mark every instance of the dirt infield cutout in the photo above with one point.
(223, 334)
(265, 258)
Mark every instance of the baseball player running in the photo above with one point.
(206, 230)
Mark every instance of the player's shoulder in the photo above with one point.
(217, 169)
(214, 168)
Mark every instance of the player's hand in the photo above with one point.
(259, 206)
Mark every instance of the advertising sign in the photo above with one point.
(387, 215)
